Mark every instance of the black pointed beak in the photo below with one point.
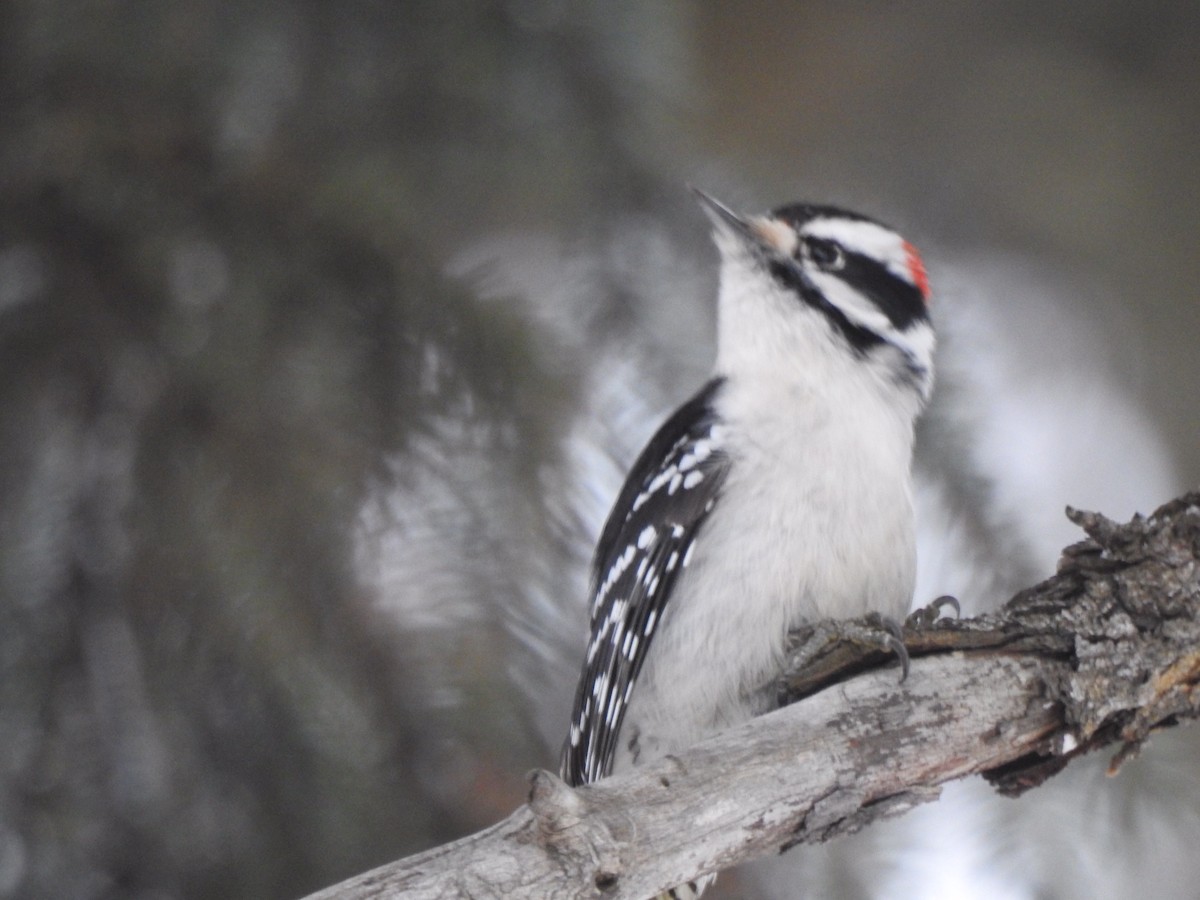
(725, 219)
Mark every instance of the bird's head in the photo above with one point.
(822, 274)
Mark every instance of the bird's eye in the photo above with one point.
(826, 254)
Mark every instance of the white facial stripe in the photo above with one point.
(857, 308)
(866, 238)
(917, 342)
(922, 341)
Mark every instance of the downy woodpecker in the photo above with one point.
(779, 494)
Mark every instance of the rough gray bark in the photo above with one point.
(1104, 652)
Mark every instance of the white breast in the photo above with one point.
(814, 521)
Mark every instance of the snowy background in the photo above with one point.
(327, 331)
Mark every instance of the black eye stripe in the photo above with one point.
(858, 337)
(897, 298)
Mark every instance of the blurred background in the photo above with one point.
(327, 332)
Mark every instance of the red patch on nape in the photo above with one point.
(916, 270)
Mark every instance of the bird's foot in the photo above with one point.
(873, 632)
(931, 612)
(884, 633)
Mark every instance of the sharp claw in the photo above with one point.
(928, 614)
(893, 640)
(946, 600)
(896, 645)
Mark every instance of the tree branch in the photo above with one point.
(1104, 652)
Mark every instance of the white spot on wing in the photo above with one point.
(662, 478)
(610, 716)
(700, 451)
(617, 613)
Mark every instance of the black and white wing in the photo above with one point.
(646, 542)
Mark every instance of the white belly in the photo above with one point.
(804, 548)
